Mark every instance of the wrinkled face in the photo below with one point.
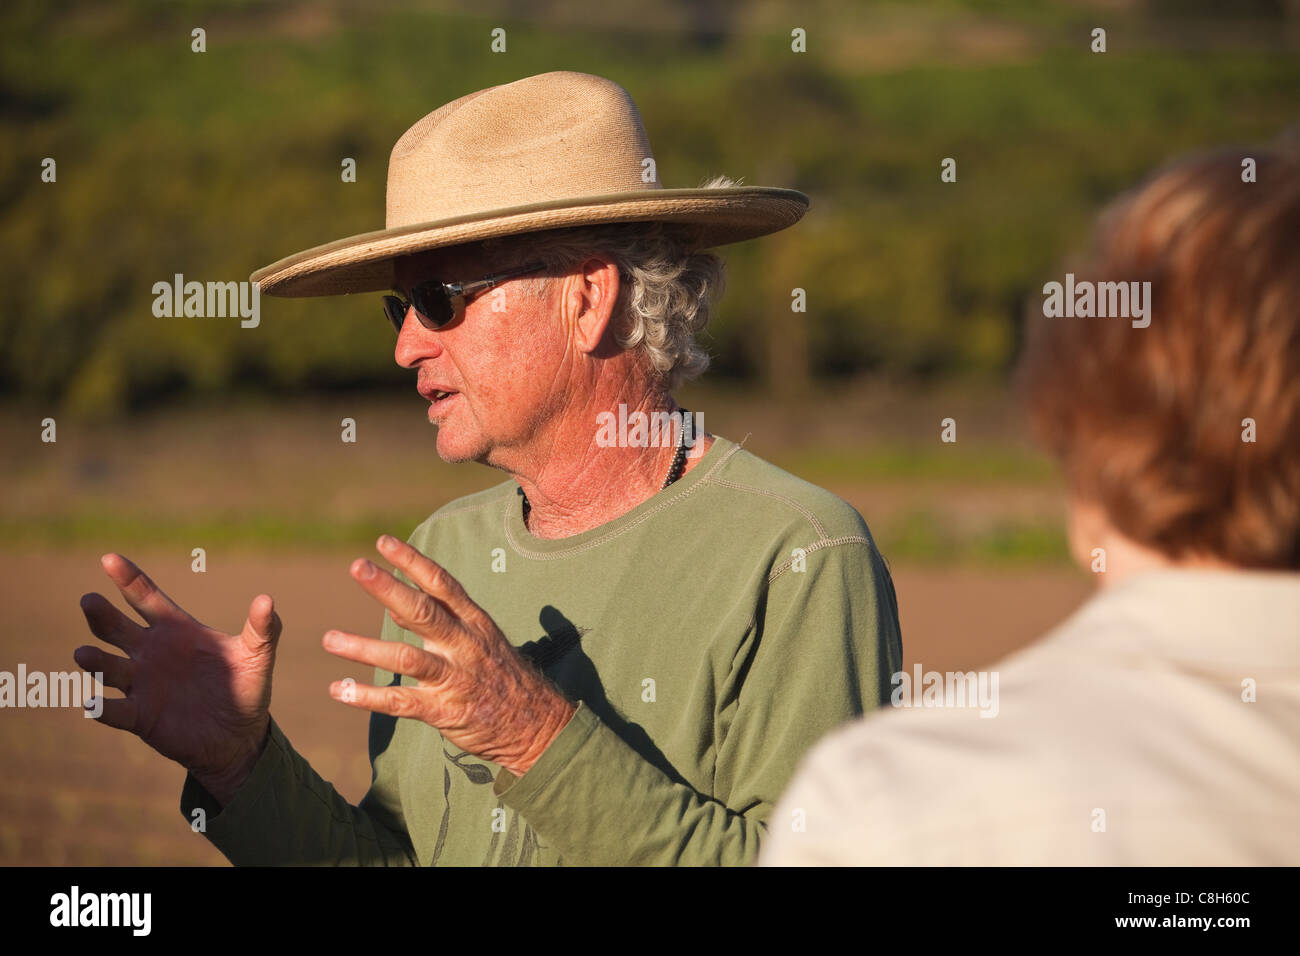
(504, 367)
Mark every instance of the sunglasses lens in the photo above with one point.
(431, 302)
(395, 311)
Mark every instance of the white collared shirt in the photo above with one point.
(1158, 725)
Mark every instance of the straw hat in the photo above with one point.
(545, 152)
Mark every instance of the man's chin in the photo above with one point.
(454, 450)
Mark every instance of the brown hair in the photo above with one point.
(1148, 423)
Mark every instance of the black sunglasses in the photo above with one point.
(438, 304)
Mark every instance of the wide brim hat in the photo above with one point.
(546, 152)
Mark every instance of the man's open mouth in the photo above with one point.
(434, 394)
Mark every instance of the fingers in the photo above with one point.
(140, 592)
(396, 657)
(395, 701)
(109, 624)
(116, 671)
(410, 608)
(430, 577)
(263, 626)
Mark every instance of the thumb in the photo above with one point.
(263, 625)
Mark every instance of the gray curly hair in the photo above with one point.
(666, 294)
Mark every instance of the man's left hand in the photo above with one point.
(471, 683)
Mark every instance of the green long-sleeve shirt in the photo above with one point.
(711, 636)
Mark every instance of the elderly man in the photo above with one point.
(618, 655)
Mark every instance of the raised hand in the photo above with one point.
(194, 694)
(471, 683)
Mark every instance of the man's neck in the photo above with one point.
(579, 484)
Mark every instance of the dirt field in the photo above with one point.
(75, 792)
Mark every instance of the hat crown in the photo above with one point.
(554, 136)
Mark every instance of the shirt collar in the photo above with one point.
(1217, 618)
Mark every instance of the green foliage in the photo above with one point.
(214, 164)
(923, 538)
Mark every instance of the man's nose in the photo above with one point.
(415, 342)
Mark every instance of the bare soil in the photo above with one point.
(76, 792)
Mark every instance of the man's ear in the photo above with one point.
(590, 292)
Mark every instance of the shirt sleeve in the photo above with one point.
(821, 648)
(286, 814)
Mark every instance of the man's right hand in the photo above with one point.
(194, 694)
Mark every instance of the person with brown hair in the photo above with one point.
(1159, 724)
